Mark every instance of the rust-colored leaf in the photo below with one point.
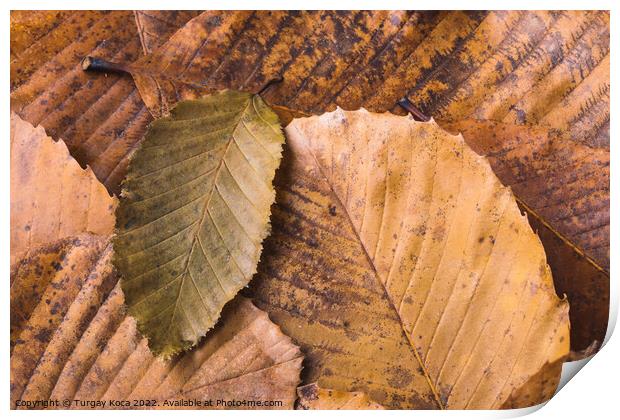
(72, 340)
(312, 397)
(101, 119)
(418, 281)
(522, 66)
(51, 196)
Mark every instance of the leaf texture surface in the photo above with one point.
(544, 67)
(565, 186)
(71, 339)
(156, 26)
(536, 67)
(418, 281)
(565, 182)
(194, 210)
(51, 196)
(101, 119)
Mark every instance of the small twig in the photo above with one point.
(415, 112)
(269, 84)
(101, 65)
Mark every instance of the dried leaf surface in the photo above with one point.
(540, 387)
(72, 340)
(101, 119)
(565, 182)
(156, 26)
(51, 196)
(313, 397)
(545, 67)
(418, 281)
(193, 214)
(526, 66)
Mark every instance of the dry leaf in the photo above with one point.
(421, 284)
(566, 183)
(352, 59)
(101, 119)
(565, 186)
(156, 26)
(515, 66)
(51, 196)
(540, 387)
(534, 162)
(72, 340)
(312, 397)
(193, 214)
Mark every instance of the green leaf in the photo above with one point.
(193, 214)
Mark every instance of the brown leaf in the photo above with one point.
(422, 291)
(449, 63)
(312, 397)
(51, 196)
(100, 118)
(524, 66)
(72, 340)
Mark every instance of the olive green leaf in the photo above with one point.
(193, 214)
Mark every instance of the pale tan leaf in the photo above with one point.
(417, 279)
(51, 195)
(564, 187)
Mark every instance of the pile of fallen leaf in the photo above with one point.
(193, 218)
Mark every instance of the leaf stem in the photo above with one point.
(100, 65)
(269, 84)
(415, 112)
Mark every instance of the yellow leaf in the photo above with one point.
(416, 278)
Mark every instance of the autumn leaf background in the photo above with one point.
(529, 90)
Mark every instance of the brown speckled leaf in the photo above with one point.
(549, 67)
(418, 281)
(51, 196)
(540, 387)
(101, 119)
(72, 339)
(313, 397)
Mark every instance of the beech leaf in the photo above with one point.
(71, 339)
(51, 196)
(564, 187)
(419, 282)
(193, 213)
